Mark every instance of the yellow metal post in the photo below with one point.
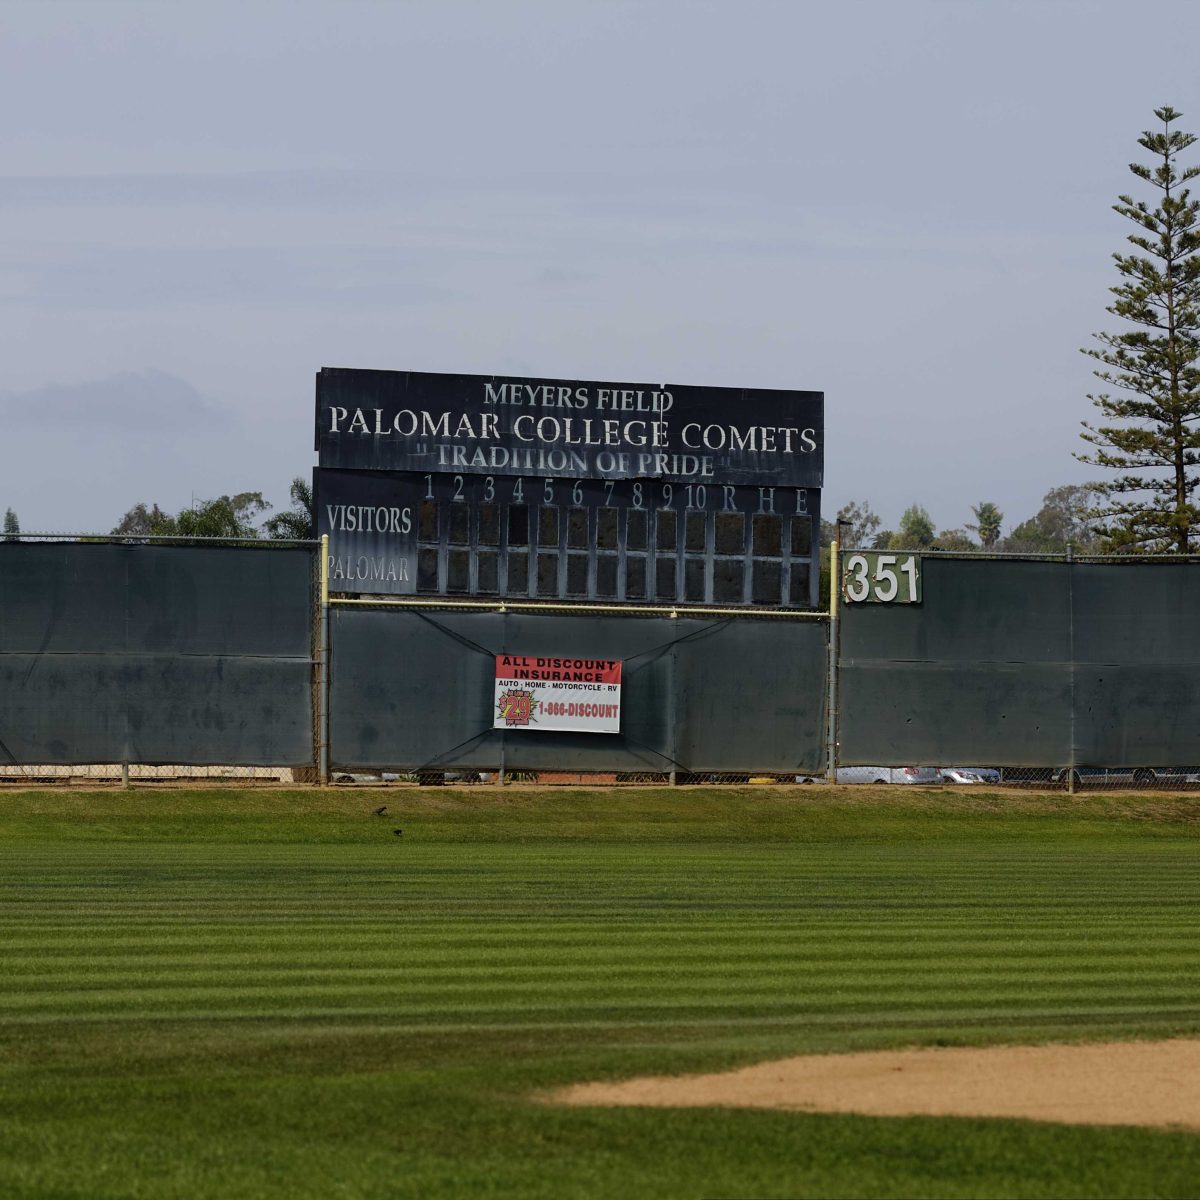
(835, 597)
(323, 670)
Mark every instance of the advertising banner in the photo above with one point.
(578, 694)
(568, 428)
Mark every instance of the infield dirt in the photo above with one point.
(1115, 1083)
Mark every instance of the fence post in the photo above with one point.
(1071, 627)
(835, 592)
(323, 671)
(673, 699)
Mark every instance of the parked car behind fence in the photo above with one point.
(888, 775)
(970, 775)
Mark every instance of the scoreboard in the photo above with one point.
(567, 490)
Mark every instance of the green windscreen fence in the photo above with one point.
(155, 654)
(412, 689)
(1023, 663)
(1137, 653)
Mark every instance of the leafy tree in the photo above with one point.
(988, 519)
(863, 523)
(916, 530)
(224, 517)
(1030, 538)
(1064, 519)
(143, 521)
(300, 523)
(12, 527)
(1153, 419)
(953, 539)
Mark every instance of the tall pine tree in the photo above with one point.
(1153, 437)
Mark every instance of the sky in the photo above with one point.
(905, 205)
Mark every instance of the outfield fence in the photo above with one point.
(1053, 670)
(175, 661)
(157, 658)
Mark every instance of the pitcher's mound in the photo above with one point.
(1118, 1083)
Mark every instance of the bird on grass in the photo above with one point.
(381, 810)
(398, 832)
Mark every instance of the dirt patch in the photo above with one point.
(1118, 1083)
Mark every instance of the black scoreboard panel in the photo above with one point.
(548, 538)
(568, 490)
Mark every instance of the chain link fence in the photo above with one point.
(966, 779)
(556, 778)
(1058, 779)
(123, 774)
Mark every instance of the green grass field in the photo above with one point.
(268, 993)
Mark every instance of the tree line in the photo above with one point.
(237, 516)
(1064, 520)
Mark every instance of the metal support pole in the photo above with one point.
(672, 699)
(835, 595)
(124, 774)
(323, 671)
(1071, 628)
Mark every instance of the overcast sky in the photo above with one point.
(905, 205)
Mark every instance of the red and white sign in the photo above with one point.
(580, 694)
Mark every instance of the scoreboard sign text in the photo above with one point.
(578, 694)
(372, 522)
(578, 429)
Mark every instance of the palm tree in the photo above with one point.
(300, 523)
(988, 518)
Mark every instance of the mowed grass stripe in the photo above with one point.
(27, 974)
(434, 983)
(578, 934)
(474, 953)
(887, 1011)
(415, 982)
(883, 1011)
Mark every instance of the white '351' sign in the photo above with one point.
(875, 577)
